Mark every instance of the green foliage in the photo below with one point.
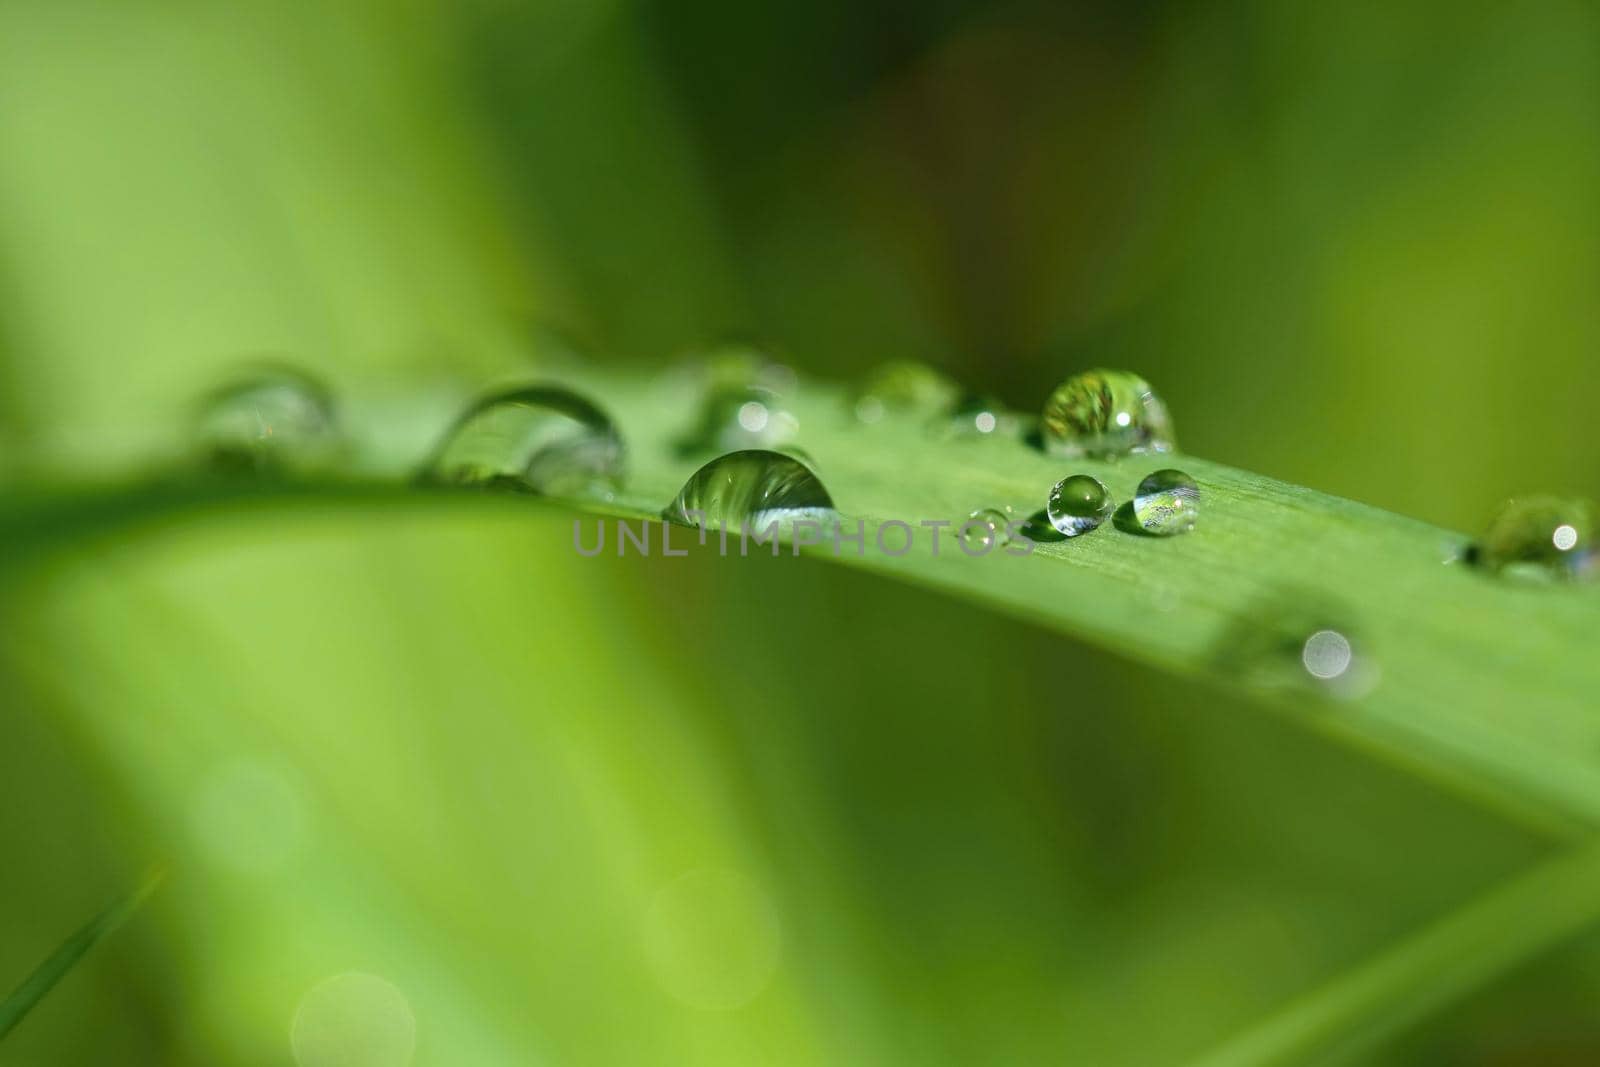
(410, 734)
(1449, 643)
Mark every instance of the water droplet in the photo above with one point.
(901, 387)
(277, 422)
(1167, 502)
(1290, 644)
(539, 439)
(353, 1020)
(1543, 538)
(250, 816)
(713, 939)
(739, 416)
(1078, 504)
(1103, 414)
(1163, 598)
(750, 489)
(738, 365)
(984, 529)
(975, 415)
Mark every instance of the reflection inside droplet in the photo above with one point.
(985, 422)
(1326, 654)
(353, 1020)
(1565, 537)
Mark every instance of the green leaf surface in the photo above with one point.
(1479, 684)
(1482, 683)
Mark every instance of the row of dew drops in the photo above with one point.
(548, 440)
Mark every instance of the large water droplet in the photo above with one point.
(1105, 413)
(984, 529)
(277, 422)
(903, 387)
(1079, 504)
(750, 490)
(1167, 502)
(539, 439)
(1543, 538)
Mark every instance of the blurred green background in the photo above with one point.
(746, 812)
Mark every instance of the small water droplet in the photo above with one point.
(1163, 598)
(1289, 644)
(250, 815)
(740, 364)
(1104, 414)
(869, 409)
(975, 415)
(984, 529)
(739, 416)
(902, 387)
(353, 1020)
(277, 422)
(539, 439)
(1543, 538)
(713, 939)
(1167, 502)
(1078, 504)
(750, 489)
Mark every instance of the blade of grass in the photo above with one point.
(1443, 963)
(37, 985)
(1484, 685)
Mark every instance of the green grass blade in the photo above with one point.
(1484, 685)
(1441, 964)
(34, 988)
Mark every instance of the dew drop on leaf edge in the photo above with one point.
(276, 422)
(543, 439)
(1542, 539)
